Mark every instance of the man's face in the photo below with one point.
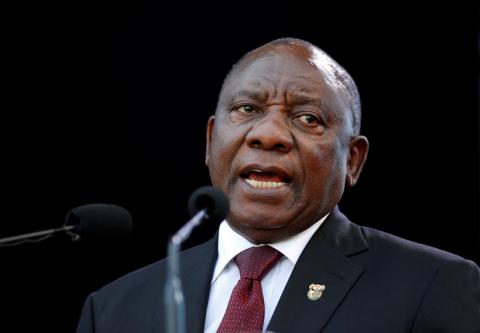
(278, 145)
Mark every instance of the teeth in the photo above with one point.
(257, 184)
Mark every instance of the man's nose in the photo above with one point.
(271, 133)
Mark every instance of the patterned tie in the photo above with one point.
(246, 309)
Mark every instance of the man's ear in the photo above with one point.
(210, 124)
(357, 155)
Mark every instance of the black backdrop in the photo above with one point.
(108, 103)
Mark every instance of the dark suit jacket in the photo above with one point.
(375, 282)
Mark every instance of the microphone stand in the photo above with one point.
(173, 295)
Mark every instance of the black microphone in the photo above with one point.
(205, 203)
(211, 199)
(99, 220)
(88, 221)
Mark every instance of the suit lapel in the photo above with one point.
(325, 260)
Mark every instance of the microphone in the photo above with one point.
(99, 220)
(87, 221)
(205, 203)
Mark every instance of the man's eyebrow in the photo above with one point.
(301, 99)
(256, 95)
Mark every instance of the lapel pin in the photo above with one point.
(315, 291)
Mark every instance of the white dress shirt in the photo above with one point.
(226, 273)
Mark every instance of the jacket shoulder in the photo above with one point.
(383, 244)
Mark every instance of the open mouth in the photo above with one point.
(265, 179)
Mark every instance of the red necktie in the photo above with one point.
(246, 309)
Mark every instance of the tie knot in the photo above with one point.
(255, 262)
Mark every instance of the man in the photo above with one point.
(283, 144)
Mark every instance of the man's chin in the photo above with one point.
(261, 232)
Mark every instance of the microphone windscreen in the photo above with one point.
(211, 198)
(100, 220)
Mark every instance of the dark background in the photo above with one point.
(108, 103)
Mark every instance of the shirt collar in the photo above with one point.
(231, 243)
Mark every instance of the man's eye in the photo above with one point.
(246, 109)
(309, 119)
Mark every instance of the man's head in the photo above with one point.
(284, 140)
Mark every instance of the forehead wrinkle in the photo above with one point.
(256, 89)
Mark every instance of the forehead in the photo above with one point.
(285, 69)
